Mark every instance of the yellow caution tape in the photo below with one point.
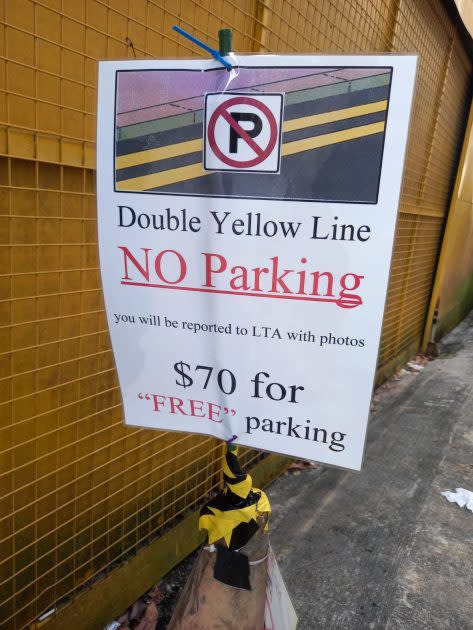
(233, 514)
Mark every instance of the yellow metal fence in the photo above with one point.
(79, 492)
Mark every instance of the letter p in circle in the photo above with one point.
(242, 132)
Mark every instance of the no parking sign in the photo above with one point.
(243, 132)
(246, 222)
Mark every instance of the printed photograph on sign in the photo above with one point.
(189, 133)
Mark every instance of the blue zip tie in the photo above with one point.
(215, 53)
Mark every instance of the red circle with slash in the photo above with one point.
(262, 154)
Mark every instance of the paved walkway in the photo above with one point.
(383, 549)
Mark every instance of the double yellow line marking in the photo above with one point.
(182, 173)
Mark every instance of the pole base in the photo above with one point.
(207, 603)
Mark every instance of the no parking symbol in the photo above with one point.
(243, 132)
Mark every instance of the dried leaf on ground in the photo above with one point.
(125, 618)
(138, 610)
(150, 618)
(302, 464)
(156, 594)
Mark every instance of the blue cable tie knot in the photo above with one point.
(215, 53)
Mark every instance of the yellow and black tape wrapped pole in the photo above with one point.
(234, 513)
(227, 586)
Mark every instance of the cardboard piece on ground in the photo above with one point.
(206, 603)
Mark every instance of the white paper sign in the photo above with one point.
(246, 222)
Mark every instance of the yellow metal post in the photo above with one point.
(450, 229)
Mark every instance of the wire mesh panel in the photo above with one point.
(79, 492)
(327, 26)
(413, 262)
(441, 102)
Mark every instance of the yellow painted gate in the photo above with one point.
(80, 493)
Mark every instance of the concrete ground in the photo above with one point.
(383, 549)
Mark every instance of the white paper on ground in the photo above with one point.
(279, 613)
(462, 497)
